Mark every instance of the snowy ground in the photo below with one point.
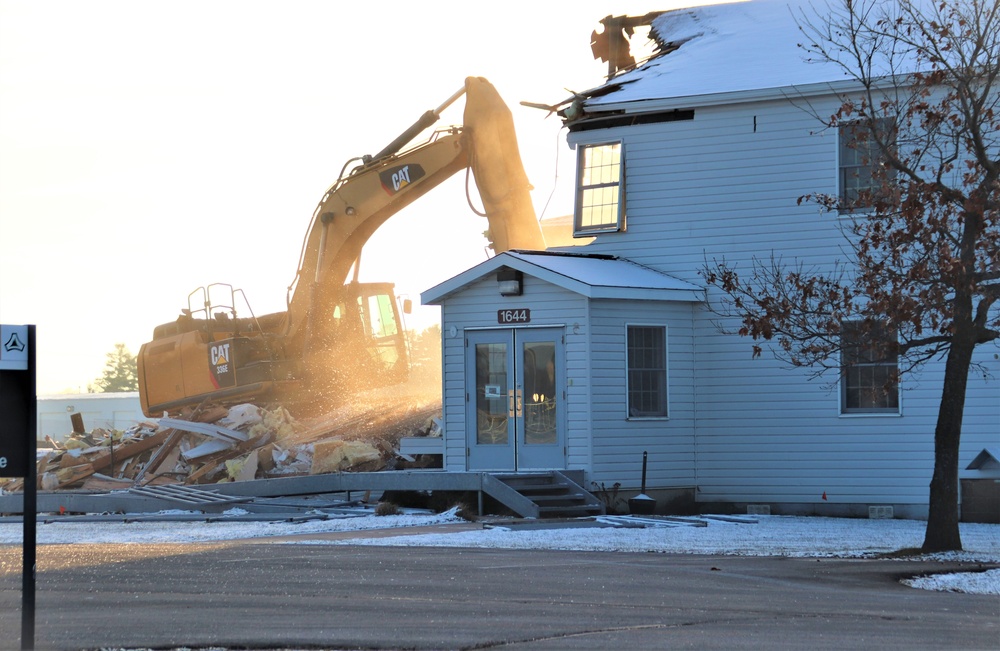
(758, 536)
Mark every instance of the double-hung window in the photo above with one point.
(600, 195)
(647, 371)
(859, 159)
(869, 377)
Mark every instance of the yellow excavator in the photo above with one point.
(339, 336)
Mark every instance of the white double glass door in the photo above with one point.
(515, 399)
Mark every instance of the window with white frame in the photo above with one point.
(869, 376)
(647, 371)
(600, 193)
(859, 158)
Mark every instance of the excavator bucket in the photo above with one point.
(496, 164)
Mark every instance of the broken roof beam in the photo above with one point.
(613, 44)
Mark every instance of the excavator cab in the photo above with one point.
(361, 343)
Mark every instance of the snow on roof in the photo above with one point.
(593, 276)
(725, 48)
(604, 271)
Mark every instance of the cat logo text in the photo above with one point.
(397, 178)
(220, 358)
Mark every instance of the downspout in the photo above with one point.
(695, 393)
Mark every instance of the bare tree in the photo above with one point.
(922, 275)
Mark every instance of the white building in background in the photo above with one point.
(105, 410)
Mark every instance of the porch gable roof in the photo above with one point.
(593, 276)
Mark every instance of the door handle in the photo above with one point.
(520, 405)
(510, 403)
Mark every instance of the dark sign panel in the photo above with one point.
(17, 402)
(14, 427)
(515, 315)
(220, 360)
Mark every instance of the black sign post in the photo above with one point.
(18, 432)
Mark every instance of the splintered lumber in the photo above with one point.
(68, 460)
(130, 468)
(98, 482)
(217, 462)
(67, 476)
(161, 454)
(127, 450)
(361, 436)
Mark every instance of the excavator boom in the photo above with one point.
(339, 336)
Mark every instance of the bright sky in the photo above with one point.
(147, 149)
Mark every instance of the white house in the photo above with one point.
(585, 357)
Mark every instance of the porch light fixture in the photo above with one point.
(509, 281)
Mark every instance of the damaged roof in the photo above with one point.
(719, 50)
(593, 276)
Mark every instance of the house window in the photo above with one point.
(647, 371)
(869, 377)
(859, 159)
(599, 195)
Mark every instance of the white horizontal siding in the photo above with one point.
(712, 187)
(618, 442)
(715, 188)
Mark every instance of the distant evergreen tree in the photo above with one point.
(120, 372)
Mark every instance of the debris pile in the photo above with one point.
(240, 443)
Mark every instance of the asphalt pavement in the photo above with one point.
(284, 595)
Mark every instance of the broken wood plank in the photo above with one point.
(131, 468)
(69, 476)
(67, 460)
(99, 482)
(164, 479)
(161, 454)
(218, 461)
(122, 452)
